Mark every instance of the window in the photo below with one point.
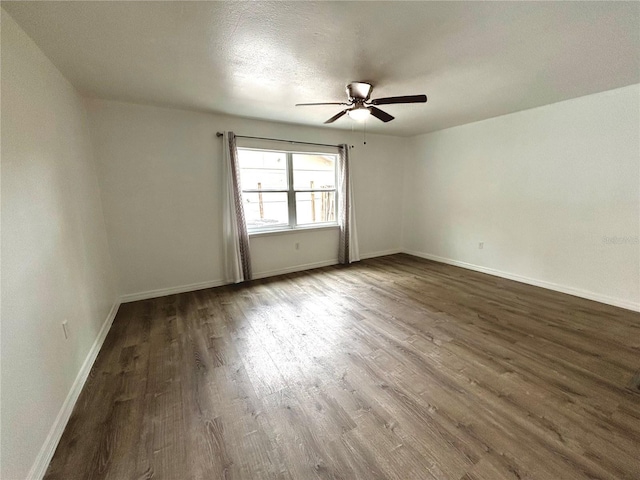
(285, 190)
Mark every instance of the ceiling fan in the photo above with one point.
(360, 107)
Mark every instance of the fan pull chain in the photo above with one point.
(364, 139)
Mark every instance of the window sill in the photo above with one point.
(285, 231)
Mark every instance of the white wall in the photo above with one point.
(55, 260)
(160, 172)
(545, 189)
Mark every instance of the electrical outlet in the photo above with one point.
(65, 329)
(481, 245)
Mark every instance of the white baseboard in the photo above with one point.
(296, 268)
(381, 253)
(163, 292)
(45, 455)
(617, 302)
(310, 266)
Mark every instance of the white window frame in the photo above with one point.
(291, 194)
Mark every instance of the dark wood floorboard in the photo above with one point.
(392, 368)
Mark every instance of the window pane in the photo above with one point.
(315, 207)
(263, 210)
(314, 171)
(262, 170)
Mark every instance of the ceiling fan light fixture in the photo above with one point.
(359, 114)
(359, 106)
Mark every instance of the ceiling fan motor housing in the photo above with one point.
(359, 91)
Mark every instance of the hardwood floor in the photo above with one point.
(392, 368)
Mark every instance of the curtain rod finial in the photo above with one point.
(219, 134)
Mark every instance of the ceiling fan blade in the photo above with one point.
(336, 116)
(328, 103)
(380, 114)
(404, 99)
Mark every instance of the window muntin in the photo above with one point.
(284, 190)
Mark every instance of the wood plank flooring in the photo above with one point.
(392, 368)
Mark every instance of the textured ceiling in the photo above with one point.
(474, 60)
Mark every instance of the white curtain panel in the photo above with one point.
(348, 251)
(237, 260)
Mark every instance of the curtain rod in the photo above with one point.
(219, 134)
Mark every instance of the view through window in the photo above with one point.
(283, 190)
